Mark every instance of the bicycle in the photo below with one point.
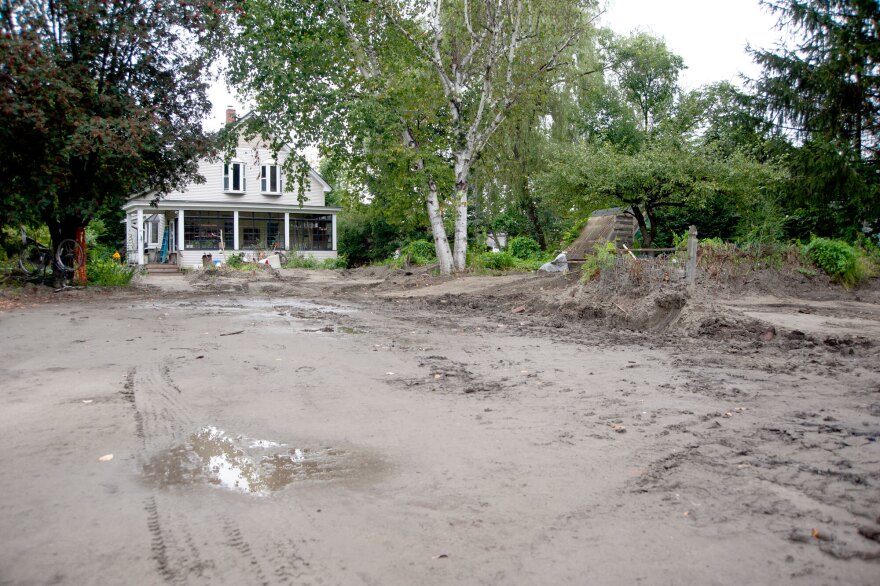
(36, 257)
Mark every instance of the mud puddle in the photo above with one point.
(254, 467)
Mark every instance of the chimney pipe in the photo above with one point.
(230, 115)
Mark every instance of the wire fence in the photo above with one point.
(630, 274)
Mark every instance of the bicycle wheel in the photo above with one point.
(32, 259)
(70, 255)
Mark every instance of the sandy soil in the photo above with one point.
(372, 428)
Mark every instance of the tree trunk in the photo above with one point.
(432, 202)
(462, 172)
(652, 227)
(438, 230)
(647, 240)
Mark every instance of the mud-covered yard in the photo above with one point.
(318, 428)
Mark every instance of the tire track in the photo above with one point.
(189, 543)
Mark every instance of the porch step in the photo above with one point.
(162, 269)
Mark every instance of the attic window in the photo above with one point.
(270, 179)
(233, 177)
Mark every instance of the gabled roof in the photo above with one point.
(314, 174)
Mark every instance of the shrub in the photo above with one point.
(301, 262)
(495, 261)
(838, 259)
(419, 252)
(107, 272)
(234, 261)
(603, 259)
(339, 262)
(524, 247)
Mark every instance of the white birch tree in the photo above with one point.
(487, 55)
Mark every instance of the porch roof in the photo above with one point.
(174, 205)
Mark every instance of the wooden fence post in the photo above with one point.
(691, 268)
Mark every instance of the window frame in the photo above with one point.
(265, 178)
(229, 176)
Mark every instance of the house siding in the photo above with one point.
(253, 158)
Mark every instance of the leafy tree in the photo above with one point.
(487, 55)
(101, 99)
(647, 71)
(663, 175)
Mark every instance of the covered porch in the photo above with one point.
(180, 234)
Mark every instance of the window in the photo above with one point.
(250, 237)
(152, 233)
(259, 230)
(270, 179)
(203, 230)
(311, 232)
(234, 180)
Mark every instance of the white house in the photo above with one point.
(246, 205)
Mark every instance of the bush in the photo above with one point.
(495, 261)
(419, 252)
(524, 247)
(603, 259)
(339, 262)
(106, 272)
(234, 261)
(301, 262)
(838, 259)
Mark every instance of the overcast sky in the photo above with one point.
(711, 36)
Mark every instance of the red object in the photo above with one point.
(81, 274)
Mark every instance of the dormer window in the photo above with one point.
(234, 180)
(270, 179)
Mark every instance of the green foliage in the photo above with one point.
(604, 258)
(494, 261)
(826, 87)
(367, 236)
(648, 73)
(710, 242)
(234, 261)
(100, 100)
(716, 216)
(419, 252)
(838, 259)
(822, 88)
(104, 271)
(301, 262)
(340, 262)
(524, 248)
(663, 174)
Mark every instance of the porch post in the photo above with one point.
(286, 230)
(127, 238)
(334, 232)
(235, 230)
(140, 237)
(180, 233)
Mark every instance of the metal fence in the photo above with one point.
(631, 273)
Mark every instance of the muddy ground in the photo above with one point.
(392, 428)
